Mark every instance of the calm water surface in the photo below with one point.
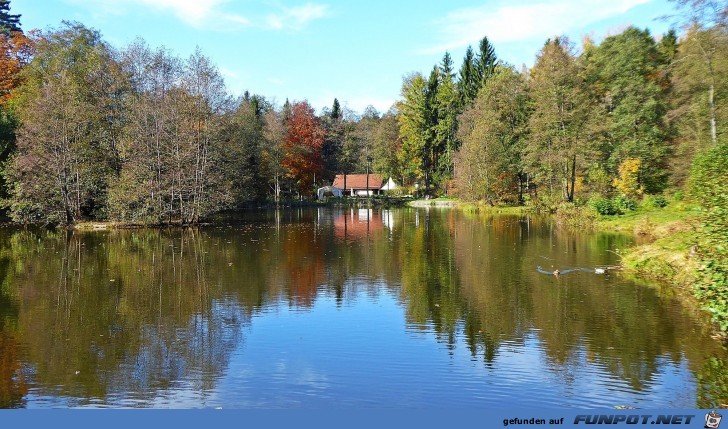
(343, 308)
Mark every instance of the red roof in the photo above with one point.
(358, 181)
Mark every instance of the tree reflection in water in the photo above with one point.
(132, 317)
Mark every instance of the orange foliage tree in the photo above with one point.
(16, 50)
(303, 161)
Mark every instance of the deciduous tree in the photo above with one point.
(303, 144)
(627, 73)
(558, 143)
(66, 152)
(493, 132)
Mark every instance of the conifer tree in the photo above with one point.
(447, 105)
(485, 62)
(467, 87)
(8, 21)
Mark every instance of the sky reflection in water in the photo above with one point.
(322, 308)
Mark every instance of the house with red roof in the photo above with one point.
(362, 184)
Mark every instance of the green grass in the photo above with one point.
(667, 259)
(435, 202)
(483, 207)
(635, 220)
(665, 241)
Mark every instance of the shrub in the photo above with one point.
(659, 201)
(624, 203)
(546, 203)
(572, 216)
(656, 201)
(602, 205)
(709, 186)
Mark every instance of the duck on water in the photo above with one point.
(598, 270)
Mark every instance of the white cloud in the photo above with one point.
(295, 18)
(509, 22)
(193, 12)
(213, 13)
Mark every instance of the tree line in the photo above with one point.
(625, 116)
(88, 131)
(141, 135)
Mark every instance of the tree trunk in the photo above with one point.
(711, 91)
(66, 205)
(573, 178)
(711, 100)
(277, 189)
(520, 188)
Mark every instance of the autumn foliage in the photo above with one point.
(16, 52)
(303, 160)
(628, 181)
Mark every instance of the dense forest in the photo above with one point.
(93, 132)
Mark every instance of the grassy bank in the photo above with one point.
(664, 250)
(478, 206)
(671, 249)
(435, 202)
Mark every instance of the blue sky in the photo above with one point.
(357, 51)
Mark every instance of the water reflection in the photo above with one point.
(115, 314)
(305, 307)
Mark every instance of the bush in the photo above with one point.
(602, 205)
(656, 201)
(572, 216)
(709, 186)
(624, 203)
(546, 203)
(581, 201)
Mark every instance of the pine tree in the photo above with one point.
(332, 150)
(8, 21)
(432, 150)
(336, 110)
(475, 71)
(467, 88)
(448, 109)
(413, 125)
(668, 46)
(485, 62)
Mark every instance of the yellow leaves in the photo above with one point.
(628, 181)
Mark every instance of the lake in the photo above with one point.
(317, 308)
